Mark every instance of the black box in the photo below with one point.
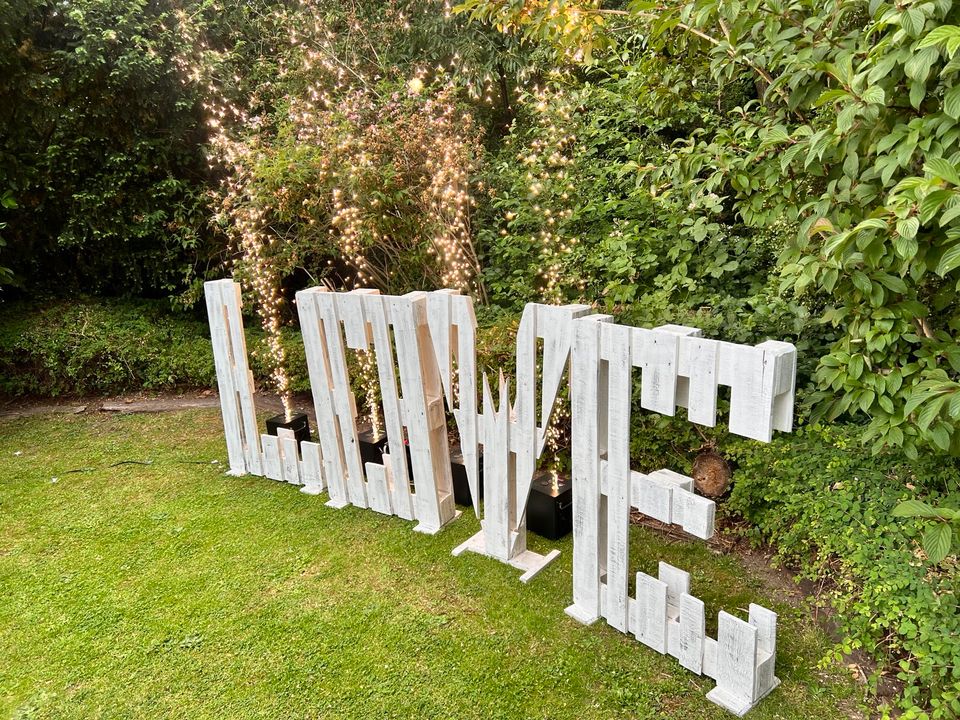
(406, 448)
(549, 508)
(299, 424)
(461, 486)
(371, 448)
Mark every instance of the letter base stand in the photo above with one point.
(577, 614)
(530, 562)
(737, 704)
(428, 530)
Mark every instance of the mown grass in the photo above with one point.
(171, 590)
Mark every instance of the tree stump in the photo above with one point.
(711, 473)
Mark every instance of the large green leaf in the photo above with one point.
(937, 541)
(951, 102)
(949, 261)
(941, 34)
(915, 508)
(944, 169)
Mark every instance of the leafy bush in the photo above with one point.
(568, 217)
(846, 138)
(101, 146)
(825, 504)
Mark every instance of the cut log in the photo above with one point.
(711, 473)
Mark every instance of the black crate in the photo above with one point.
(549, 508)
(372, 447)
(458, 471)
(299, 424)
(406, 448)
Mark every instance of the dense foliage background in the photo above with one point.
(758, 168)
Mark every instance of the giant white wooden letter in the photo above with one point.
(513, 437)
(678, 368)
(234, 379)
(398, 330)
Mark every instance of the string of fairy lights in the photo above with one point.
(370, 382)
(341, 112)
(422, 135)
(549, 158)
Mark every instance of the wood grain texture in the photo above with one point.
(615, 348)
(585, 452)
(422, 398)
(649, 621)
(692, 631)
(272, 467)
(656, 354)
(736, 664)
(377, 313)
(313, 330)
(290, 460)
(234, 378)
(378, 488)
(311, 469)
(344, 402)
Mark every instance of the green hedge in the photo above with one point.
(824, 503)
(86, 346)
(91, 346)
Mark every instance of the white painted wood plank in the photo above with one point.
(615, 342)
(378, 490)
(766, 372)
(345, 406)
(649, 621)
(637, 479)
(784, 381)
(272, 468)
(684, 482)
(289, 457)
(683, 383)
(229, 404)
(681, 330)
(377, 314)
(676, 580)
(655, 353)
(496, 471)
(673, 632)
(423, 399)
(736, 664)
(750, 416)
(740, 368)
(555, 327)
(350, 306)
(465, 407)
(701, 380)
(656, 498)
(765, 621)
(586, 469)
(311, 469)
(710, 658)
(693, 630)
(698, 514)
(321, 386)
(682, 488)
(439, 307)
(523, 439)
(337, 499)
(243, 378)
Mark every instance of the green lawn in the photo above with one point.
(171, 590)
